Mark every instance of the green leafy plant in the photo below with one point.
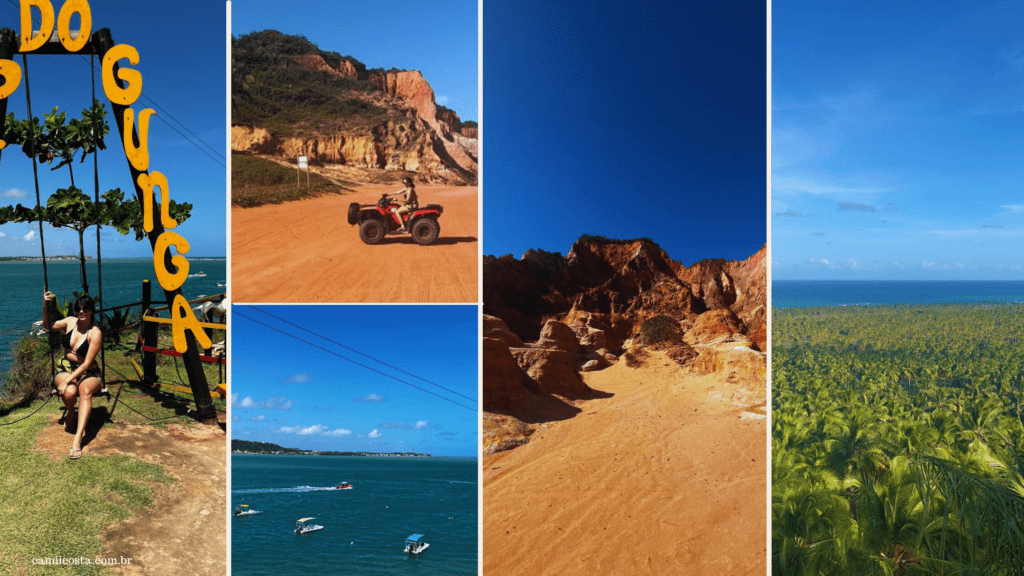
(114, 322)
(72, 208)
(58, 139)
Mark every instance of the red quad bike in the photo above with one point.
(378, 220)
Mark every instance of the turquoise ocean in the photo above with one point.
(364, 527)
(21, 289)
(812, 293)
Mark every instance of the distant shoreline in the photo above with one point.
(317, 453)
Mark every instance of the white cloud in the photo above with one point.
(14, 193)
(30, 236)
(316, 429)
(928, 264)
(852, 263)
(258, 418)
(1013, 207)
(421, 425)
(296, 379)
(370, 398)
(442, 100)
(374, 434)
(273, 403)
(798, 185)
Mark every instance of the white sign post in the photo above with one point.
(303, 163)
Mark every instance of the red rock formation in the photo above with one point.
(583, 308)
(345, 68)
(503, 378)
(410, 86)
(554, 370)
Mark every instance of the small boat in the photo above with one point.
(199, 274)
(301, 526)
(414, 546)
(345, 486)
(243, 510)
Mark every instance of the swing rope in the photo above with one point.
(96, 180)
(35, 175)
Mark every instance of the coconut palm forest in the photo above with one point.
(897, 440)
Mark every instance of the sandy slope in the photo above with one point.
(305, 251)
(657, 479)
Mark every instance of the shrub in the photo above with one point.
(659, 329)
(30, 376)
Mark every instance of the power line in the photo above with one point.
(362, 354)
(235, 312)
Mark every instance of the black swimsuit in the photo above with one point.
(83, 348)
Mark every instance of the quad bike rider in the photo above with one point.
(388, 217)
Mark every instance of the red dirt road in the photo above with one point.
(305, 251)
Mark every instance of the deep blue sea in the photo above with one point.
(809, 293)
(21, 290)
(365, 527)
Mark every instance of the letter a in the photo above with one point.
(183, 319)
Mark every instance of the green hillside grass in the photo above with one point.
(272, 90)
(255, 182)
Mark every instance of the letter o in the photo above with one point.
(64, 24)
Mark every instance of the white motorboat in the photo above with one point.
(243, 510)
(413, 545)
(302, 526)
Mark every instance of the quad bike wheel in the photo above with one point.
(371, 231)
(425, 231)
(353, 212)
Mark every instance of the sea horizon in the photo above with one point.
(814, 293)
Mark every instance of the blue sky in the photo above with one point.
(638, 119)
(182, 51)
(897, 131)
(436, 37)
(295, 395)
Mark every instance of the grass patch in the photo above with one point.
(60, 508)
(256, 181)
(660, 329)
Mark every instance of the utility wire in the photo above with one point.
(362, 354)
(236, 312)
(161, 118)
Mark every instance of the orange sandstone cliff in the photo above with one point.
(549, 318)
(392, 124)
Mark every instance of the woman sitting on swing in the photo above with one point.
(80, 375)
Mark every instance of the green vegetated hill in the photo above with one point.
(897, 441)
(271, 89)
